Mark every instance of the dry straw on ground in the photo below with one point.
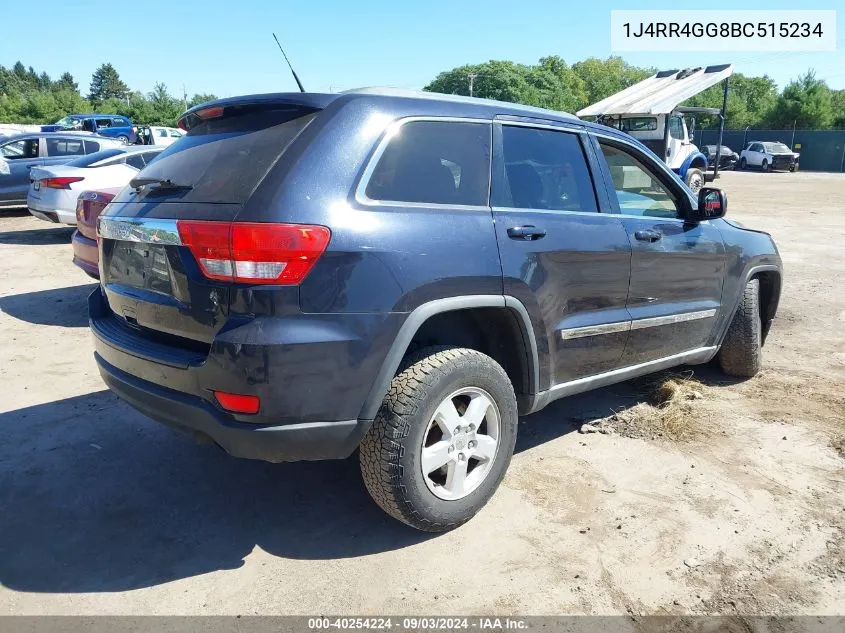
(672, 408)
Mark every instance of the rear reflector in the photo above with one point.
(254, 252)
(237, 403)
(61, 182)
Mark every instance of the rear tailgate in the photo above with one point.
(151, 280)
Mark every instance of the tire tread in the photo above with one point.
(382, 447)
(741, 352)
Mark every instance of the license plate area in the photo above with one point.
(147, 266)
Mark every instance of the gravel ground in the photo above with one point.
(103, 511)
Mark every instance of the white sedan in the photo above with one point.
(54, 189)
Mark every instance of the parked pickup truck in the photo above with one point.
(405, 273)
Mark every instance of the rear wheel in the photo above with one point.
(123, 139)
(695, 180)
(741, 353)
(442, 440)
(764, 165)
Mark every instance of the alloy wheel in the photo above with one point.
(460, 443)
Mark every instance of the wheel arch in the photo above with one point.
(770, 277)
(524, 365)
(695, 160)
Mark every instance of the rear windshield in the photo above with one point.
(222, 160)
(90, 159)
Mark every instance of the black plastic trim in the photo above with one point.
(420, 315)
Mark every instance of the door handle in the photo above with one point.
(527, 232)
(648, 235)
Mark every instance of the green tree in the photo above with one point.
(750, 102)
(106, 84)
(66, 82)
(604, 77)
(166, 109)
(837, 100)
(805, 102)
(200, 98)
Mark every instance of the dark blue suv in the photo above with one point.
(406, 273)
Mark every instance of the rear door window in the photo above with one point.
(434, 162)
(64, 147)
(91, 147)
(224, 159)
(543, 169)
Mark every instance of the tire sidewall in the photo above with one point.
(764, 165)
(472, 372)
(742, 163)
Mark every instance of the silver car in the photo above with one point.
(20, 153)
(55, 188)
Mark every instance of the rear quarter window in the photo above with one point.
(64, 147)
(223, 160)
(434, 162)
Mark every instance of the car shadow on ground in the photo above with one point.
(46, 236)
(95, 497)
(63, 307)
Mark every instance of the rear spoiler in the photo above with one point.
(219, 107)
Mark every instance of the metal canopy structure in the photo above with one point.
(661, 93)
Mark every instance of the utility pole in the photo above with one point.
(472, 77)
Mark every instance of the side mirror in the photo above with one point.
(712, 204)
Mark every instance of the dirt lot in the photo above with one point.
(102, 511)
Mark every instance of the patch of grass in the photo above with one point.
(669, 411)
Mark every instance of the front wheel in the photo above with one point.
(442, 439)
(695, 180)
(765, 165)
(741, 353)
(742, 163)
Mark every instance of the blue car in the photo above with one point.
(405, 273)
(111, 125)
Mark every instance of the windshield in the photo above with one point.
(639, 124)
(776, 147)
(69, 121)
(96, 157)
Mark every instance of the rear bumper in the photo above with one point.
(311, 388)
(51, 213)
(204, 421)
(85, 254)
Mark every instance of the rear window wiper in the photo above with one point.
(163, 183)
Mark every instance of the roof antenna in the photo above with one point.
(298, 83)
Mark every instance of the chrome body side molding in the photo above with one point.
(637, 324)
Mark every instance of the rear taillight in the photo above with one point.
(60, 182)
(252, 252)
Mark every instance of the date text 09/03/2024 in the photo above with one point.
(419, 623)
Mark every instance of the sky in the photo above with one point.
(225, 47)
